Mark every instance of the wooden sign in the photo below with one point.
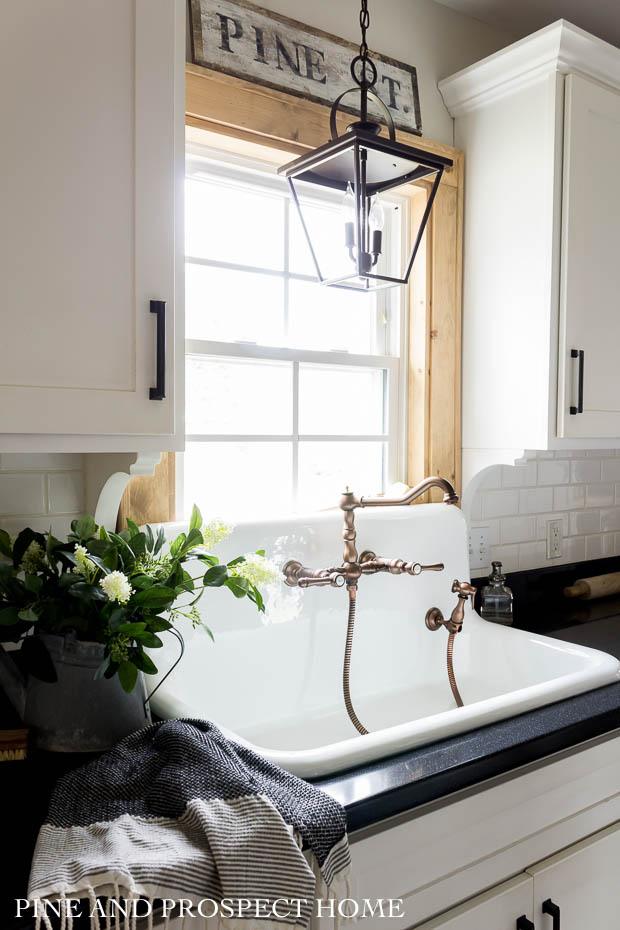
(250, 42)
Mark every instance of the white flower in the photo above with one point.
(85, 566)
(32, 557)
(116, 586)
(257, 570)
(214, 532)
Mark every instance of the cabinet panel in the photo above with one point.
(590, 272)
(497, 909)
(583, 882)
(90, 218)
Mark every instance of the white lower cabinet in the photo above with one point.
(581, 883)
(576, 889)
(505, 907)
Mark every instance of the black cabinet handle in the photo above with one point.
(578, 353)
(159, 391)
(548, 907)
(524, 924)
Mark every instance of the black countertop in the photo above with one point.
(401, 783)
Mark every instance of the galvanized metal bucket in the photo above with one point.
(76, 713)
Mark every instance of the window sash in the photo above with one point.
(390, 366)
(390, 336)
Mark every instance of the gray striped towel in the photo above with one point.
(178, 811)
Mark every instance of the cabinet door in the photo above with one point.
(506, 907)
(583, 882)
(91, 163)
(590, 264)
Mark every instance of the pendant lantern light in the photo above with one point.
(352, 171)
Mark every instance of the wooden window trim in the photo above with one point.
(243, 115)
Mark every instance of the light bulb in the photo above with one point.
(348, 204)
(348, 208)
(376, 219)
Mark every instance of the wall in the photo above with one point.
(41, 490)
(515, 503)
(434, 38)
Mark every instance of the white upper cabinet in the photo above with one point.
(540, 126)
(589, 376)
(91, 168)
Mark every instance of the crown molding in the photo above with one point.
(560, 47)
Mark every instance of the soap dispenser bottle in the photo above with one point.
(496, 597)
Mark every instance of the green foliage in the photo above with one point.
(49, 586)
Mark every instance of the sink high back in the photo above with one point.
(275, 681)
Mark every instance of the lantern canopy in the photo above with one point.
(337, 190)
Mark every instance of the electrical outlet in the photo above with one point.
(554, 539)
(479, 547)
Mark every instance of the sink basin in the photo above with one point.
(274, 682)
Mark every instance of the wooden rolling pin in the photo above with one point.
(599, 586)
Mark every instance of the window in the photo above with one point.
(293, 390)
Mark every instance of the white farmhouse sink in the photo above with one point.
(275, 682)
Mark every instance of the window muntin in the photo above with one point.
(293, 389)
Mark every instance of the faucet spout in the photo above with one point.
(449, 494)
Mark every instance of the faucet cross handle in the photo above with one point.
(464, 590)
(454, 624)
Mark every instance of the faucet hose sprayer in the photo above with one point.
(346, 670)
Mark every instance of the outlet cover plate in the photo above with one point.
(554, 539)
(479, 547)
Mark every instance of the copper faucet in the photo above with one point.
(435, 619)
(368, 563)
(354, 566)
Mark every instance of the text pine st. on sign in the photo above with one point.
(257, 45)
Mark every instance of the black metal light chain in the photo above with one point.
(364, 24)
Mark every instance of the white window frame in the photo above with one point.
(394, 366)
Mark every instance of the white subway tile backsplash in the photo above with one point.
(584, 470)
(610, 469)
(585, 521)
(499, 503)
(594, 546)
(600, 546)
(569, 497)
(44, 491)
(22, 494)
(582, 488)
(531, 555)
(535, 500)
(574, 549)
(60, 526)
(517, 529)
(66, 492)
(610, 519)
(600, 495)
(507, 555)
(553, 472)
(519, 476)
